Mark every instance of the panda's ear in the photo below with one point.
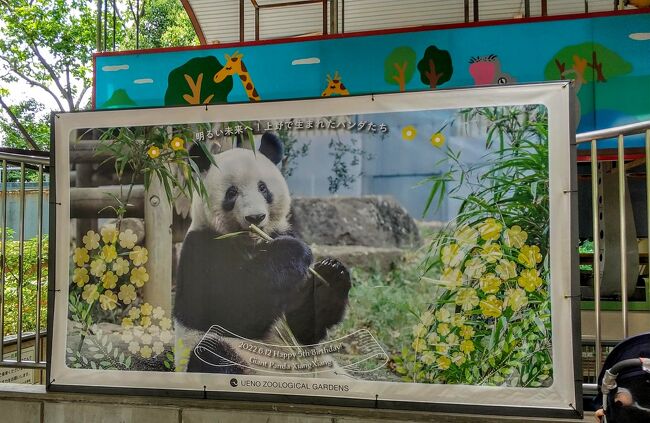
(197, 154)
(272, 147)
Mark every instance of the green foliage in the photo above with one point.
(566, 62)
(193, 83)
(346, 155)
(31, 114)
(491, 323)
(292, 152)
(29, 285)
(399, 66)
(435, 67)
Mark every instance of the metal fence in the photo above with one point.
(23, 261)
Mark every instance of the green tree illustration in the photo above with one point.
(399, 66)
(586, 62)
(193, 83)
(435, 67)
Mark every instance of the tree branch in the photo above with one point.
(52, 74)
(23, 131)
(33, 82)
(77, 104)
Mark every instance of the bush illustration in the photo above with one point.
(589, 62)
(435, 67)
(192, 83)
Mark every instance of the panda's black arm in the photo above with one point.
(319, 306)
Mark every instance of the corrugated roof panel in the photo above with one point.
(219, 20)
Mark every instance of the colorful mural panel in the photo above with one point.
(607, 55)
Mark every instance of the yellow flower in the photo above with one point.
(91, 240)
(438, 139)
(409, 132)
(443, 362)
(177, 144)
(146, 309)
(466, 236)
(529, 279)
(452, 339)
(127, 322)
(491, 252)
(97, 267)
(451, 255)
(433, 338)
(490, 229)
(442, 348)
(139, 276)
(418, 345)
(165, 323)
(490, 284)
(467, 332)
(515, 237)
(443, 329)
(109, 253)
(153, 152)
(80, 276)
(428, 358)
(108, 300)
(491, 306)
(146, 351)
(466, 346)
(158, 347)
(515, 299)
(127, 293)
(506, 269)
(128, 239)
(109, 234)
(458, 358)
(467, 298)
(145, 322)
(529, 256)
(457, 320)
(426, 318)
(158, 313)
(90, 293)
(139, 255)
(474, 268)
(80, 256)
(121, 266)
(452, 278)
(134, 313)
(109, 280)
(443, 315)
(419, 330)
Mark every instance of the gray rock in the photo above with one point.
(371, 258)
(372, 221)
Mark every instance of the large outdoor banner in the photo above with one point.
(410, 250)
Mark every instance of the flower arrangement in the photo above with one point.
(493, 310)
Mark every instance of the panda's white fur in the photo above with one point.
(244, 169)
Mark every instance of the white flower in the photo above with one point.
(127, 336)
(158, 347)
(166, 336)
(134, 347)
(128, 239)
(158, 313)
(146, 339)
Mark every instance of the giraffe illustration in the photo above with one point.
(235, 66)
(335, 86)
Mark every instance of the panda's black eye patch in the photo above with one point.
(230, 198)
(264, 190)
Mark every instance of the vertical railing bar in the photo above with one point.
(325, 17)
(3, 260)
(466, 10)
(623, 228)
(241, 21)
(39, 270)
(21, 265)
(596, 261)
(527, 8)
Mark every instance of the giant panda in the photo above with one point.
(242, 283)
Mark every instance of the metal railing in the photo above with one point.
(618, 133)
(19, 164)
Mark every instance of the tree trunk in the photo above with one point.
(432, 76)
(400, 78)
(561, 67)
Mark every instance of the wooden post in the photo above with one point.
(158, 240)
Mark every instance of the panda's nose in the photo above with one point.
(255, 219)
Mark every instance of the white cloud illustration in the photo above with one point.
(640, 36)
(306, 61)
(143, 81)
(114, 68)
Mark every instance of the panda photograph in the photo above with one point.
(407, 247)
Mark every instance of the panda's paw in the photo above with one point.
(335, 276)
(291, 255)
